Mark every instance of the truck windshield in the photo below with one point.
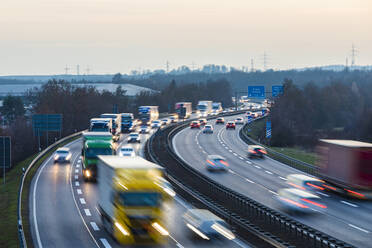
(94, 152)
(99, 127)
(202, 107)
(139, 199)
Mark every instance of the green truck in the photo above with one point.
(94, 144)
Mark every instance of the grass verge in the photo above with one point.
(9, 201)
(257, 129)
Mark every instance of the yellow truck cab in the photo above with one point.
(132, 196)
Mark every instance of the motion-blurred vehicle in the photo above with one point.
(216, 162)
(127, 151)
(305, 182)
(134, 138)
(208, 129)
(147, 114)
(207, 225)
(62, 155)
(239, 121)
(256, 151)
(346, 167)
(204, 108)
(155, 124)
(202, 121)
(165, 122)
(144, 129)
(131, 200)
(173, 119)
(220, 120)
(230, 125)
(183, 110)
(299, 200)
(194, 124)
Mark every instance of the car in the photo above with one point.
(134, 138)
(173, 119)
(239, 121)
(144, 129)
(207, 225)
(230, 125)
(305, 182)
(216, 163)
(156, 124)
(208, 129)
(256, 151)
(127, 151)
(194, 124)
(62, 154)
(220, 120)
(203, 121)
(165, 122)
(293, 199)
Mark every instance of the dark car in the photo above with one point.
(256, 151)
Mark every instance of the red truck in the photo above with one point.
(346, 167)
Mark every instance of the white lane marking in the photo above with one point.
(283, 178)
(82, 201)
(248, 162)
(248, 180)
(77, 184)
(77, 171)
(235, 154)
(76, 177)
(268, 172)
(273, 192)
(94, 226)
(230, 150)
(79, 191)
(323, 194)
(34, 204)
(77, 165)
(360, 229)
(241, 158)
(105, 243)
(350, 204)
(231, 171)
(258, 167)
(87, 212)
(179, 245)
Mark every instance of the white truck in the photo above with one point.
(100, 125)
(216, 108)
(116, 122)
(204, 108)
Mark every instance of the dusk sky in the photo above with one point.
(42, 36)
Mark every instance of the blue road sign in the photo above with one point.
(249, 119)
(46, 122)
(268, 129)
(256, 91)
(263, 112)
(5, 152)
(277, 90)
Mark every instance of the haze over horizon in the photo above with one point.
(109, 36)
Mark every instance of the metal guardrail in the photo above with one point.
(253, 221)
(292, 162)
(21, 235)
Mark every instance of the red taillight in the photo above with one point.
(210, 162)
(314, 203)
(297, 186)
(224, 162)
(355, 193)
(252, 151)
(263, 151)
(295, 203)
(315, 186)
(329, 187)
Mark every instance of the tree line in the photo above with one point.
(301, 116)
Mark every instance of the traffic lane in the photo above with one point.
(87, 195)
(359, 211)
(54, 222)
(316, 221)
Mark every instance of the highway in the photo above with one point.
(346, 219)
(63, 209)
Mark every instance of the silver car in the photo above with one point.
(293, 199)
(62, 154)
(216, 163)
(207, 225)
(208, 129)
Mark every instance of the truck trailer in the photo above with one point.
(216, 108)
(147, 114)
(204, 108)
(127, 122)
(183, 109)
(132, 194)
(346, 167)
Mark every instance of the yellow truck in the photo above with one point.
(132, 197)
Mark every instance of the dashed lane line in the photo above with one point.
(268, 172)
(79, 192)
(87, 212)
(82, 201)
(105, 243)
(358, 228)
(350, 204)
(94, 226)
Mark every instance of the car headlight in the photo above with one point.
(56, 157)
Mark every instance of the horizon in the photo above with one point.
(41, 37)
